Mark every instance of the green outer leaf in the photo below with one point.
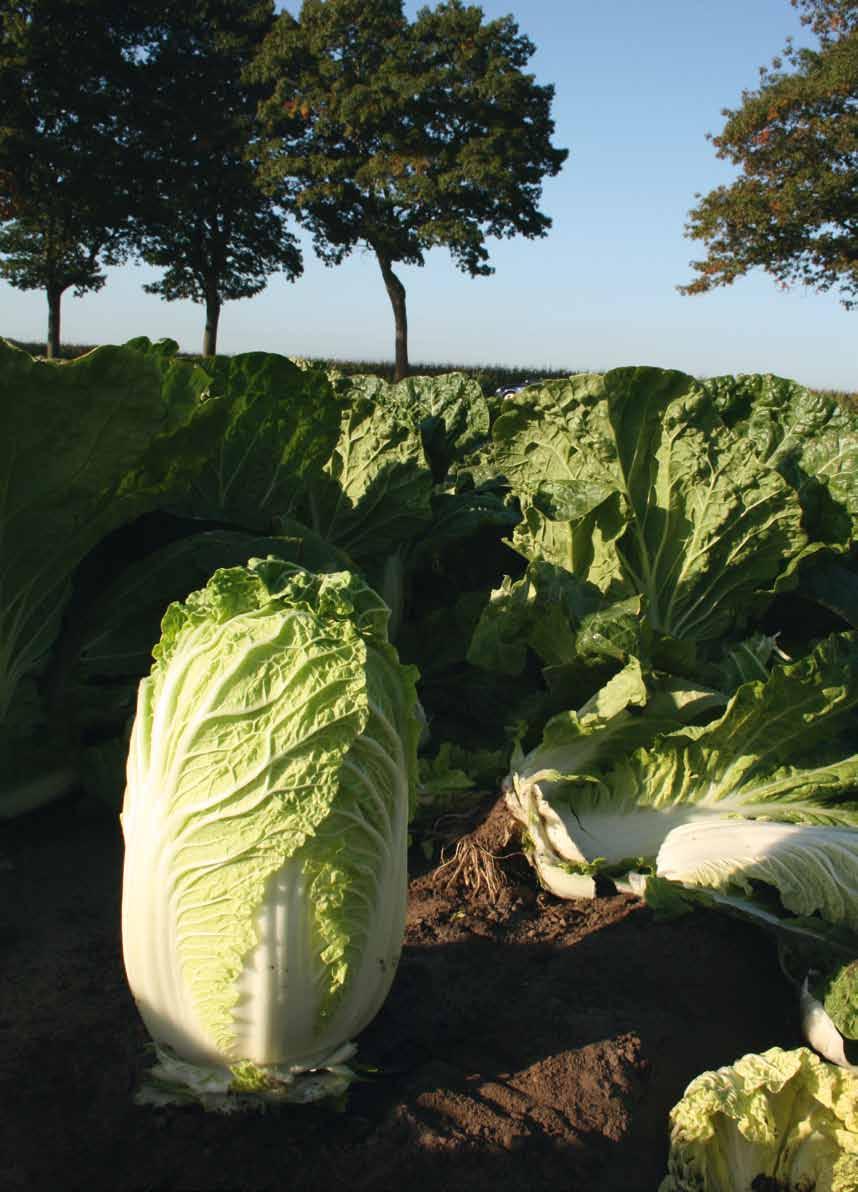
(499, 642)
(565, 620)
(633, 482)
(457, 515)
(802, 940)
(813, 868)
(544, 785)
(743, 662)
(84, 448)
(125, 619)
(110, 641)
(778, 750)
(454, 768)
(808, 437)
(442, 774)
(284, 421)
(819, 1029)
(838, 991)
(625, 713)
(543, 437)
(376, 487)
(579, 741)
(450, 412)
(835, 587)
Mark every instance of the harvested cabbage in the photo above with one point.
(271, 774)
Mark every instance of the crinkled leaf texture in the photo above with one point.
(283, 424)
(375, 488)
(271, 775)
(124, 617)
(813, 867)
(83, 449)
(840, 991)
(550, 791)
(449, 411)
(809, 437)
(780, 762)
(633, 482)
(565, 621)
(118, 622)
(783, 1115)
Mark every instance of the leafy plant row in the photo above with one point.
(631, 600)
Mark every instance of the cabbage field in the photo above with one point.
(404, 786)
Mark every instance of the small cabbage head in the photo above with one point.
(782, 1119)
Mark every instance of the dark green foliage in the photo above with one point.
(405, 136)
(792, 210)
(63, 72)
(198, 213)
(129, 129)
(53, 251)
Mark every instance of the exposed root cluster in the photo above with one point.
(476, 859)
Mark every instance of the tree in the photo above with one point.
(62, 72)
(793, 210)
(199, 214)
(404, 136)
(46, 253)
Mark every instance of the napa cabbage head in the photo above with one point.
(765, 793)
(782, 1119)
(271, 774)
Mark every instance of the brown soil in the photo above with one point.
(527, 1043)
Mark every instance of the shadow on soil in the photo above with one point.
(526, 1042)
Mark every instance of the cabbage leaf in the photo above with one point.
(633, 482)
(85, 447)
(811, 439)
(782, 753)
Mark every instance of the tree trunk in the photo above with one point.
(212, 316)
(52, 346)
(396, 294)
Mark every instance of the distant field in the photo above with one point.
(491, 377)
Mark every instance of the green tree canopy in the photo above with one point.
(793, 210)
(402, 136)
(199, 214)
(54, 251)
(63, 71)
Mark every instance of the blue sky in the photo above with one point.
(637, 88)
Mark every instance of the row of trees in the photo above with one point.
(189, 136)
